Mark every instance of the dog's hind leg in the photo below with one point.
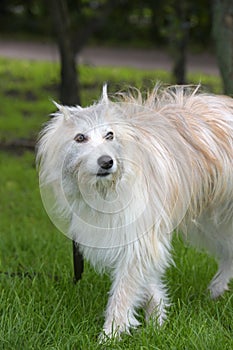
(217, 239)
(219, 283)
(224, 254)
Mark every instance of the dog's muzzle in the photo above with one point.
(105, 163)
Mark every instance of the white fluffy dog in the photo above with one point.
(121, 175)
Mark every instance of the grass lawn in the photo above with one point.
(40, 307)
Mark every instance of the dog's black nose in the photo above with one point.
(105, 162)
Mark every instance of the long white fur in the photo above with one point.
(173, 170)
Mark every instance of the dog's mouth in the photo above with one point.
(103, 173)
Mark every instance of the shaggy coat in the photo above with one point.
(120, 176)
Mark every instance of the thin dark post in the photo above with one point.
(78, 262)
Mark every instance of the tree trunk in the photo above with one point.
(223, 36)
(180, 58)
(179, 34)
(69, 88)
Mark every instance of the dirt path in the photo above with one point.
(102, 56)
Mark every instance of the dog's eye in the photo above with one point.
(109, 136)
(80, 138)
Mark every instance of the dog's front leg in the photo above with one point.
(124, 298)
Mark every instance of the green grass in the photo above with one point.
(40, 307)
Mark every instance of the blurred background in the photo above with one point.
(165, 34)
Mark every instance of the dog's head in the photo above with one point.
(83, 143)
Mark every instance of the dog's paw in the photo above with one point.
(217, 288)
(104, 337)
(113, 331)
(108, 335)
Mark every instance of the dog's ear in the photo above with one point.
(63, 109)
(104, 98)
